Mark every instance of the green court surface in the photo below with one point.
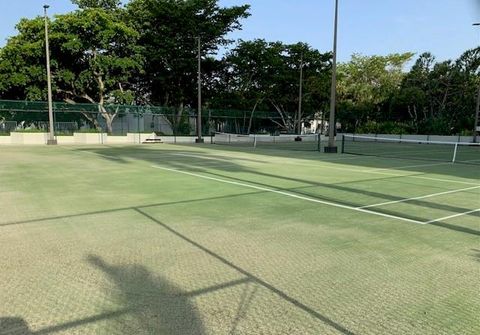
(210, 239)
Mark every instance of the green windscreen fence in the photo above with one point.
(455, 152)
(73, 117)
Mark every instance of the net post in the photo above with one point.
(319, 142)
(254, 141)
(343, 144)
(455, 153)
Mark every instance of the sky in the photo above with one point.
(442, 27)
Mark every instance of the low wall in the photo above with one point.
(117, 140)
(182, 139)
(90, 138)
(28, 138)
(93, 138)
(5, 140)
(138, 138)
(66, 140)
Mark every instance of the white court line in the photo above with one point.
(292, 195)
(199, 156)
(421, 197)
(375, 171)
(453, 216)
(371, 171)
(411, 166)
(378, 170)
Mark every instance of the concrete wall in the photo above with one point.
(182, 139)
(130, 138)
(90, 138)
(5, 140)
(65, 140)
(28, 138)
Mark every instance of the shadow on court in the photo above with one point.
(153, 305)
(476, 254)
(421, 165)
(196, 162)
(224, 168)
(150, 305)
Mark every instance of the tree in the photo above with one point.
(94, 58)
(440, 97)
(22, 63)
(168, 31)
(365, 85)
(98, 56)
(266, 75)
(103, 4)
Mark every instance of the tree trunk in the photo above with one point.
(251, 116)
(92, 119)
(108, 117)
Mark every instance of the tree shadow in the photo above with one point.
(149, 304)
(421, 164)
(246, 297)
(198, 162)
(476, 254)
(14, 326)
(157, 306)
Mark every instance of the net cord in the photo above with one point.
(401, 140)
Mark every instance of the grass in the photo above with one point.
(137, 240)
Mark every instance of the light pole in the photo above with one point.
(332, 147)
(199, 88)
(300, 97)
(476, 128)
(51, 134)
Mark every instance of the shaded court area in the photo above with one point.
(213, 240)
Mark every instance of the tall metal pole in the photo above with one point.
(332, 147)
(476, 129)
(51, 134)
(300, 97)
(199, 88)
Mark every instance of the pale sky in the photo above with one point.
(443, 27)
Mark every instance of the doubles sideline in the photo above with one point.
(288, 194)
(363, 209)
(421, 197)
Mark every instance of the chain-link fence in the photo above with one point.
(120, 120)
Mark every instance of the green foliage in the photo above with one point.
(89, 131)
(366, 83)
(265, 75)
(31, 130)
(439, 98)
(432, 98)
(104, 4)
(94, 57)
(145, 53)
(168, 30)
(387, 127)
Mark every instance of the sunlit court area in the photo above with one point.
(218, 239)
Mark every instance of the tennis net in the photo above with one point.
(309, 142)
(456, 152)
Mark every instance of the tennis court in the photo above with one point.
(221, 239)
